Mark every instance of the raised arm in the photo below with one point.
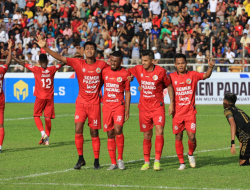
(8, 61)
(19, 61)
(127, 104)
(209, 70)
(42, 43)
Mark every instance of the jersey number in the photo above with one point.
(46, 83)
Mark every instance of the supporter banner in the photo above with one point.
(212, 91)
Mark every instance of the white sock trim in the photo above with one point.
(42, 133)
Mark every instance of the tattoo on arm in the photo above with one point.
(171, 93)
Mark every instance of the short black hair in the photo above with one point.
(230, 97)
(89, 43)
(43, 58)
(179, 55)
(149, 53)
(117, 54)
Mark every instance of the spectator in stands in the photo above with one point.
(125, 53)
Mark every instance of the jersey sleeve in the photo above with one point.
(72, 62)
(228, 113)
(199, 76)
(127, 84)
(133, 71)
(4, 68)
(32, 68)
(166, 79)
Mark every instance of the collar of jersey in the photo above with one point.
(178, 72)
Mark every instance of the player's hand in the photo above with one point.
(211, 63)
(233, 151)
(41, 42)
(139, 88)
(130, 78)
(171, 109)
(126, 116)
(9, 44)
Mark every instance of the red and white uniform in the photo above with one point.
(151, 105)
(90, 82)
(44, 89)
(3, 70)
(115, 82)
(185, 111)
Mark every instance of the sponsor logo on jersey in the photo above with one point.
(147, 76)
(105, 126)
(98, 70)
(90, 71)
(175, 82)
(155, 77)
(119, 79)
(141, 74)
(175, 128)
(193, 126)
(143, 126)
(57, 66)
(46, 71)
(112, 78)
(182, 83)
(188, 81)
(21, 88)
(77, 117)
(4, 67)
(1, 75)
(106, 78)
(83, 70)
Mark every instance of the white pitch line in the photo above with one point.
(71, 169)
(121, 186)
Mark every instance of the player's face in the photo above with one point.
(180, 65)
(225, 104)
(89, 51)
(146, 62)
(115, 63)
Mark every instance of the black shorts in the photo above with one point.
(245, 150)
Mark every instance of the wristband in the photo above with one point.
(232, 142)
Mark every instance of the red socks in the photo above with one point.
(112, 150)
(47, 126)
(159, 142)
(96, 146)
(120, 145)
(146, 149)
(39, 123)
(179, 151)
(79, 143)
(1, 136)
(192, 146)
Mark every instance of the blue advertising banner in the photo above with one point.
(65, 90)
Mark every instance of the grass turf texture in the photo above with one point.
(22, 156)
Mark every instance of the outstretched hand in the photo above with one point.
(211, 63)
(9, 44)
(41, 42)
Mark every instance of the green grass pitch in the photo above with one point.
(26, 165)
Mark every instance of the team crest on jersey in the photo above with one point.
(83, 70)
(193, 126)
(188, 81)
(143, 126)
(175, 82)
(119, 79)
(106, 78)
(98, 70)
(141, 74)
(57, 66)
(31, 66)
(4, 67)
(105, 126)
(77, 117)
(155, 77)
(175, 128)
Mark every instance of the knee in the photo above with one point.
(94, 132)
(118, 131)
(147, 135)
(192, 138)
(78, 129)
(178, 137)
(159, 131)
(111, 134)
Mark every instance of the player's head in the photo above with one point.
(147, 59)
(229, 100)
(43, 59)
(180, 62)
(116, 60)
(89, 49)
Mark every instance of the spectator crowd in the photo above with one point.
(200, 29)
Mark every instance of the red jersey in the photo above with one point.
(3, 70)
(185, 88)
(44, 80)
(64, 12)
(115, 82)
(89, 79)
(153, 84)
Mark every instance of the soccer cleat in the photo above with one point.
(157, 166)
(79, 164)
(182, 167)
(43, 138)
(46, 143)
(96, 164)
(112, 167)
(120, 164)
(145, 167)
(191, 160)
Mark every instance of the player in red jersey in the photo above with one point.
(44, 92)
(115, 110)
(89, 72)
(3, 70)
(184, 84)
(152, 79)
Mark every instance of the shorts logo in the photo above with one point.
(57, 66)
(143, 126)
(105, 126)
(141, 74)
(21, 88)
(95, 122)
(188, 81)
(83, 70)
(175, 128)
(160, 119)
(119, 118)
(77, 117)
(98, 70)
(175, 82)
(106, 78)
(119, 79)
(155, 77)
(193, 126)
